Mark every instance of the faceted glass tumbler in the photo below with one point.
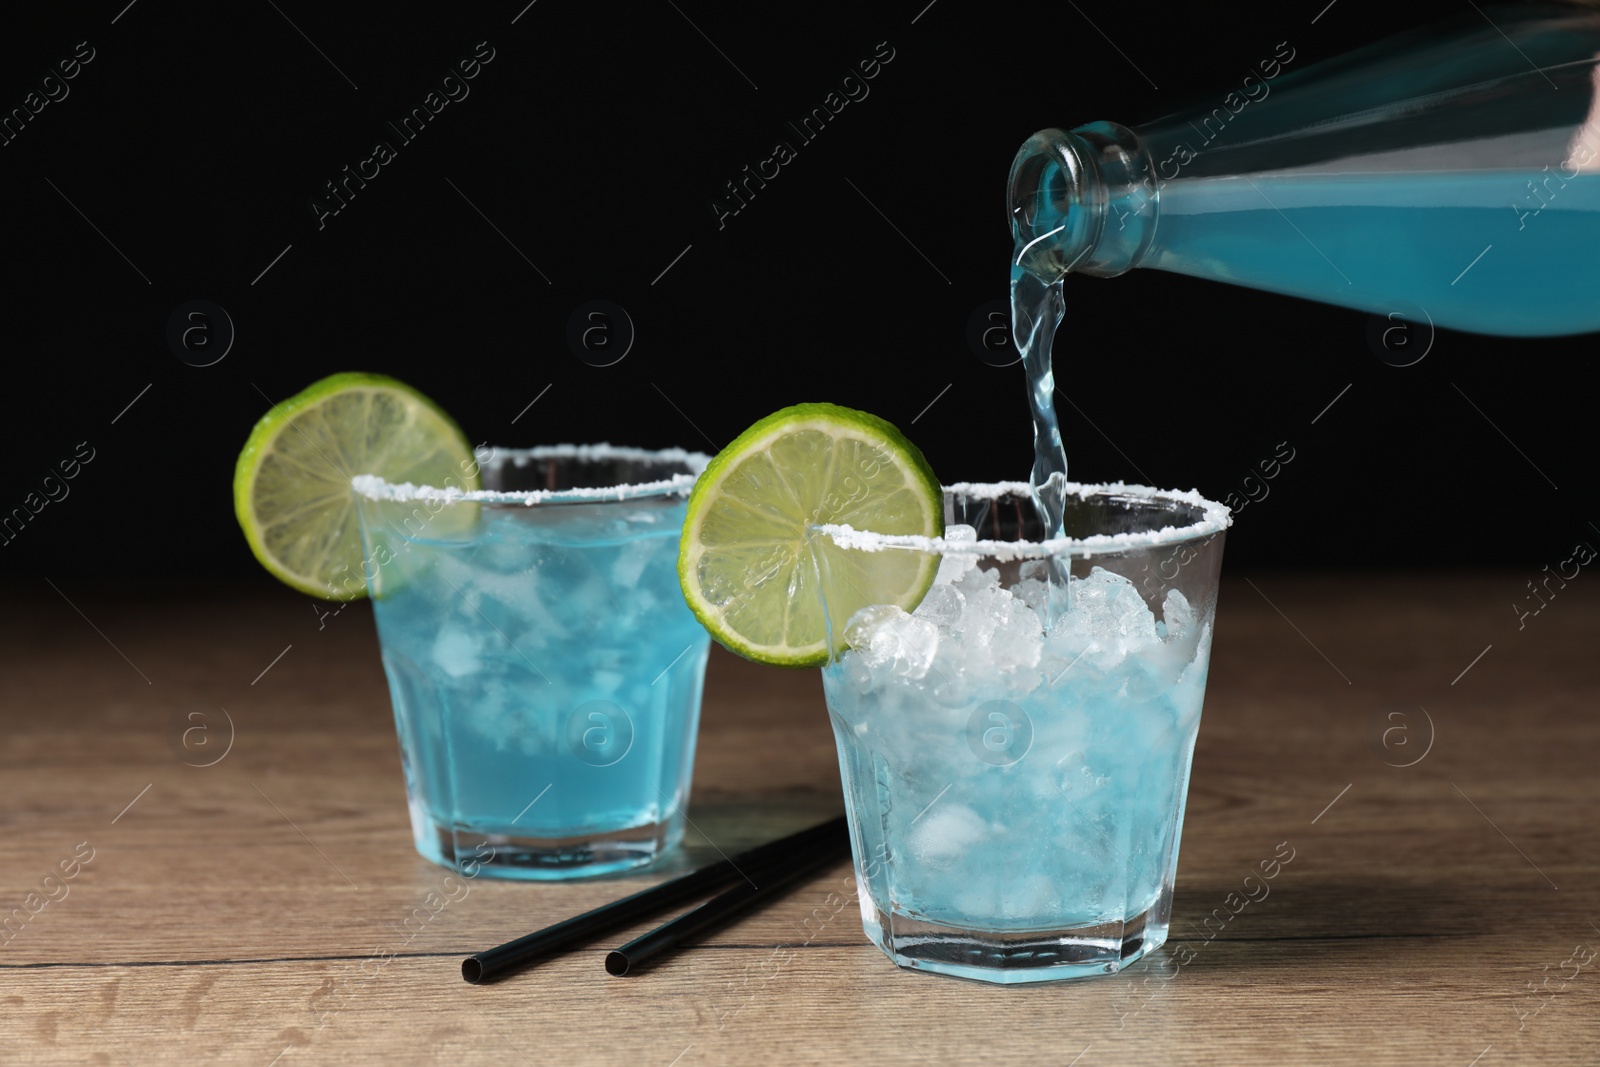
(1015, 752)
(544, 669)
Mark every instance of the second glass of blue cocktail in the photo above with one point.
(545, 673)
(1015, 751)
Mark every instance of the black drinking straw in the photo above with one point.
(726, 905)
(503, 959)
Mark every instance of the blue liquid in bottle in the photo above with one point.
(1502, 252)
(1451, 175)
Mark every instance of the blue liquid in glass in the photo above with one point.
(546, 679)
(1017, 797)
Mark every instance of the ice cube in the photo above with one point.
(1032, 592)
(944, 832)
(976, 580)
(984, 615)
(501, 548)
(1032, 896)
(1178, 616)
(487, 716)
(952, 565)
(1108, 622)
(960, 532)
(631, 562)
(857, 675)
(863, 627)
(456, 652)
(1115, 614)
(889, 641)
(943, 606)
(1018, 637)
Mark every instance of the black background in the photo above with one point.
(591, 146)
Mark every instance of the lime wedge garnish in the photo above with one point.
(291, 487)
(745, 561)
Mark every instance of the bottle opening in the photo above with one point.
(1046, 198)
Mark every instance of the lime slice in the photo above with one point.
(745, 563)
(291, 487)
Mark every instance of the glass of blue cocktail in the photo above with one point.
(545, 673)
(1015, 750)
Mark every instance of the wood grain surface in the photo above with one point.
(255, 911)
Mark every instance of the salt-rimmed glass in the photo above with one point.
(1016, 752)
(544, 670)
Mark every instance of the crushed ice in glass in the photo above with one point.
(970, 627)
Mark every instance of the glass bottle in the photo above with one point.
(1451, 174)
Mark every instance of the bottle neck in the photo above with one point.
(1082, 202)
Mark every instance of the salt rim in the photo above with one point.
(373, 487)
(1215, 519)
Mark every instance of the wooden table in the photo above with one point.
(230, 913)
